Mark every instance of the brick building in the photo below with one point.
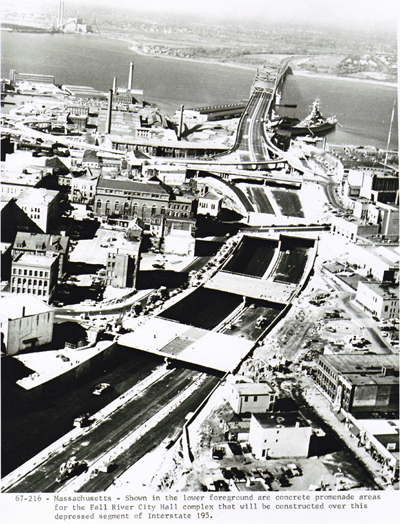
(125, 198)
(357, 384)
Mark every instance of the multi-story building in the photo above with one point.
(276, 435)
(14, 219)
(171, 174)
(380, 185)
(376, 185)
(83, 187)
(122, 197)
(121, 269)
(377, 213)
(14, 183)
(26, 322)
(382, 300)
(90, 159)
(360, 384)
(182, 205)
(209, 204)
(35, 274)
(42, 245)
(41, 205)
(179, 235)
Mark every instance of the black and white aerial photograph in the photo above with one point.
(199, 260)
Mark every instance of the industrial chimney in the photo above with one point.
(109, 112)
(61, 13)
(181, 123)
(130, 81)
(115, 85)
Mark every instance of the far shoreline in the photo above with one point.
(296, 72)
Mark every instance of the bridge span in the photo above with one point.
(252, 143)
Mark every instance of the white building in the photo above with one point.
(377, 213)
(252, 398)
(381, 300)
(179, 236)
(352, 228)
(26, 322)
(35, 274)
(170, 174)
(382, 262)
(279, 435)
(41, 206)
(83, 188)
(209, 204)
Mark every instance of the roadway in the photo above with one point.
(53, 418)
(90, 445)
(166, 428)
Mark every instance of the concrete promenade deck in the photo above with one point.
(196, 346)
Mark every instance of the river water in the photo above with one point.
(363, 109)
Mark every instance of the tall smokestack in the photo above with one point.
(181, 123)
(109, 112)
(61, 13)
(115, 85)
(130, 81)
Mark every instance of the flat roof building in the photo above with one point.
(356, 383)
(281, 434)
(41, 205)
(382, 300)
(35, 274)
(26, 322)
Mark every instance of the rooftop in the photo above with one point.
(290, 419)
(40, 241)
(132, 185)
(259, 388)
(26, 259)
(34, 195)
(383, 290)
(12, 306)
(352, 363)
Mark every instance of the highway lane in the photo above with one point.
(26, 431)
(93, 443)
(165, 428)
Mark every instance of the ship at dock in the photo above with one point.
(315, 124)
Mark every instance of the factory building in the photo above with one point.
(360, 384)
